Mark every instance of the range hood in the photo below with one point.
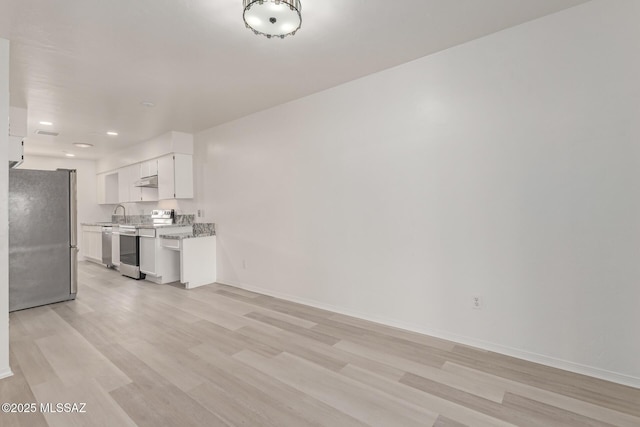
(149, 182)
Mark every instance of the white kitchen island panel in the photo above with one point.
(197, 256)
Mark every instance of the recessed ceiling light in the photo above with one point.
(69, 154)
(46, 123)
(148, 104)
(112, 133)
(82, 145)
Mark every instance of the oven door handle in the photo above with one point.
(128, 232)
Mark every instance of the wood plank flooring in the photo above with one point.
(141, 354)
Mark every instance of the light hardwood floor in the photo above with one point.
(156, 355)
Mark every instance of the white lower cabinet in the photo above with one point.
(159, 265)
(115, 249)
(148, 255)
(91, 248)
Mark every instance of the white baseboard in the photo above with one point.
(5, 373)
(553, 362)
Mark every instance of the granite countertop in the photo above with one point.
(109, 224)
(197, 229)
(138, 225)
(158, 225)
(182, 236)
(206, 229)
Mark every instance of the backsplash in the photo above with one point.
(185, 219)
(204, 228)
(146, 219)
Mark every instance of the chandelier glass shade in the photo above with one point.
(273, 18)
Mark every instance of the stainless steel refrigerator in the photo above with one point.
(43, 256)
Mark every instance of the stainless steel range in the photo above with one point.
(130, 242)
(130, 252)
(163, 216)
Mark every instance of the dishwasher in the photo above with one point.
(107, 241)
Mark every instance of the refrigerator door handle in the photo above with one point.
(73, 208)
(74, 270)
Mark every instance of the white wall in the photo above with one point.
(88, 208)
(4, 209)
(507, 167)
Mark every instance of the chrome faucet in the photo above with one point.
(124, 212)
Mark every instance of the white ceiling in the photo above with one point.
(86, 65)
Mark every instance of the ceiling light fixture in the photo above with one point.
(46, 132)
(273, 18)
(69, 154)
(147, 104)
(46, 123)
(112, 133)
(82, 145)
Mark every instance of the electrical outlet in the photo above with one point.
(477, 302)
(200, 213)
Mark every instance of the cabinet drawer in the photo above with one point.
(170, 244)
(92, 228)
(147, 232)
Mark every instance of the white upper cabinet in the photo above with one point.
(127, 191)
(166, 185)
(149, 168)
(123, 185)
(175, 181)
(175, 177)
(135, 193)
(16, 150)
(100, 188)
(108, 191)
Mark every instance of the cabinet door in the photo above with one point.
(97, 241)
(115, 249)
(153, 167)
(166, 189)
(92, 245)
(144, 170)
(183, 176)
(175, 177)
(135, 193)
(149, 168)
(111, 188)
(16, 149)
(84, 248)
(123, 185)
(148, 255)
(101, 190)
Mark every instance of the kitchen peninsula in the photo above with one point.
(196, 252)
